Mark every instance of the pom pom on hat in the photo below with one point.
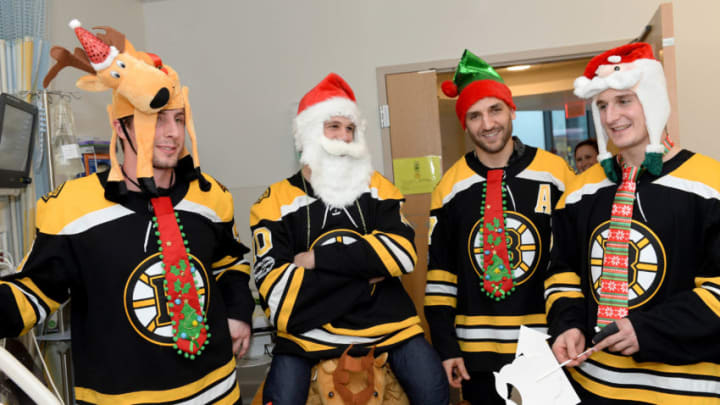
(449, 88)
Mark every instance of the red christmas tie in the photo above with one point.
(497, 276)
(190, 332)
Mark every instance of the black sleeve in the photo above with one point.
(40, 287)
(564, 300)
(387, 251)
(294, 298)
(441, 287)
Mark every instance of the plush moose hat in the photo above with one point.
(141, 86)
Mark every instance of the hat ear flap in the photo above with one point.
(115, 172)
(190, 127)
(144, 125)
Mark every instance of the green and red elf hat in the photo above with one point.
(474, 80)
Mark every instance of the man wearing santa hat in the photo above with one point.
(635, 269)
(489, 236)
(330, 246)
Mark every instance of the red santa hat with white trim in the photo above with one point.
(100, 54)
(629, 67)
(332, 97)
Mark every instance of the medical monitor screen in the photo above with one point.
(17, 127)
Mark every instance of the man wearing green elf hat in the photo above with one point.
(489, 236)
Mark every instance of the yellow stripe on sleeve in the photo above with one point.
(563, 278)
(51, 304)
(242, 268)
(27, 312)
(270, 279)
(562, 294)
(441, 275)
(404, 243)
(434, 300)
(388, 261)
(290, 297)
(709, 299)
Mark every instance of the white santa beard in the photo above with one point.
(340, 172)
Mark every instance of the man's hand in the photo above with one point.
(568, 345)
(240, 333)
(305, 259)
(455, 371)
(623, 341)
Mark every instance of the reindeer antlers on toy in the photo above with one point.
(141, 87)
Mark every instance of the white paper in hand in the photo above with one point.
(535, 374)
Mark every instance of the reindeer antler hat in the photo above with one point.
(141, 87)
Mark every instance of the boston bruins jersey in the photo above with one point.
(463, 320)
(673, 275)
(105, 255)
(319, 312)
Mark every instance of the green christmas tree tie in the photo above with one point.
(189, 324)
(497, 276)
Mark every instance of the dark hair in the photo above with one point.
(588, 142)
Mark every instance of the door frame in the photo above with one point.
(496, 60)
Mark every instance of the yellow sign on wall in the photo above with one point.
(417, 175)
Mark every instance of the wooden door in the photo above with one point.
(662, 39)
(414, 132)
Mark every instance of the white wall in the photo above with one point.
(248, 63)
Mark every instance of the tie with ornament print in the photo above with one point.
(497, 278)
(189, 325)
(613, 302)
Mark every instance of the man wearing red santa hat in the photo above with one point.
(635, 269)
(330, 245)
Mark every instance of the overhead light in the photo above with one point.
(518, 68)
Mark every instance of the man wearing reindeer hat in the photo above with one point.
(635, 269)
(148, 251)
(330, 246)
(489, 236)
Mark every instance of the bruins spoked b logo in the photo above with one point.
(523, 244)
(146, 305)
(646, 262)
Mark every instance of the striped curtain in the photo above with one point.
(24, 59)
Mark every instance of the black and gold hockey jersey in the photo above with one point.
(674, 281)
(105, 256)
(319, 312)
(463, 320)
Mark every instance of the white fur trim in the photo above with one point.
(309, 123)
(74, 23)
(621, 80)
(614, 59)
(652, 93)
(107, 62)
(655, 149)
(600, 134)
(603, 156)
